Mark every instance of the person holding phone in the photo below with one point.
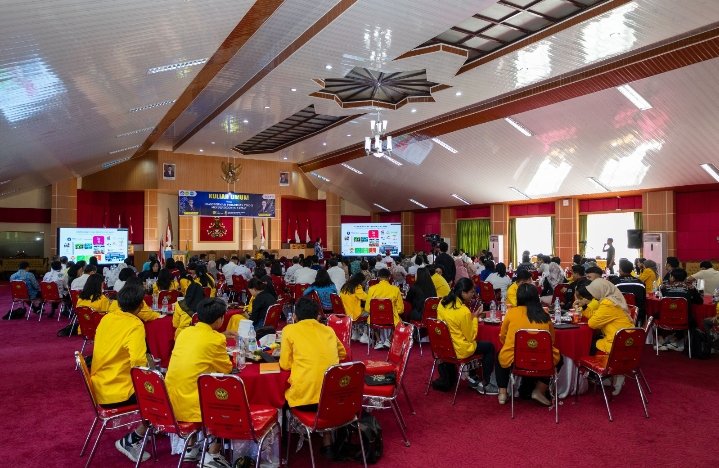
(609, 249)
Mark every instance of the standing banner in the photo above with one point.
(244, 205)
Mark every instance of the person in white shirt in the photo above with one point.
(79, 283)
(290, 273)
(306, 275)
(388, 260)
(242, 270)
(399, 274)
(229, 269)
(418, 263)
(63, 264)
(55, 276)
(499, 279)
(337, 274)
(709, 275)
(125, 274)
(463, 256)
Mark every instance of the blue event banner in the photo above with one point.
(245, 205)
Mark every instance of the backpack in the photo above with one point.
(68, 330)
(15, 314)
(447, 377)
(700, 345)
(347, 446)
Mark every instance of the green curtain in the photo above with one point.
(583, 235)
(513, 242)
(473, 235)
(553, 230)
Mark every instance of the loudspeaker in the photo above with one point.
(634, 238)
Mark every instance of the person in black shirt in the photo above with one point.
(422, 288)
(672, 263)
(446, 262)
(609, 249)
(627, 283)
(677, 287)
(263, 300)
(577, 276)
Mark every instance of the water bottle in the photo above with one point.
(252, 341)
(154, 302)
(240, 354)
(510, 266)
(557, 311)
(503, 307)
(290, 318)
(716, 295)
(165, 303)
(225, 298)
(493, 311)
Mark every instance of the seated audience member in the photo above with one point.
(577, 275)
(111, 275)
(499, 279)
(593, 273)
(526, 263)
(521, 277)
(130, 265)
(355, 266)
(315, 263)
(307, 350)
(79, 283)
(278, 279)
(187, 276)
(229, 269)
(649, 274)
(243, 269)
(422, 289)
(152, 272)
(204, 279)
(528, 314)
(55, 276)
(353, 297)
(164, 282)
(337, 274)
(463, 328)
(552, 276)
(365, 270)
(146, 314)
(65, 265)
(92, 296)
(399, 274)
(199, 350)
(150, 258)
(440, 284)
(324, 286)
(418, 263)
(672, 263)
(185, 309)
(678, 287)
(709, 275)
(212, 269)
(305, 275)
(119, 346)
(460, 270)
(708, 324)
(260, 302)
(626, 283)
(576, 259)
(384, 289)
(290, 273)
(73, 273)
(488, 270)
(250, 262)
(124, 275)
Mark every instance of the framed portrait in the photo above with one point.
(168, 171)
(284, 179)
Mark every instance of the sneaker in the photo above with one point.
(387, 344)
(214, 461)
(364, 339)
(379, 345)
(474, 382)
(356, 335)
(540, 398)
(674, 347)
(132, 450)
(661, 348)
(618, 384)
(192, 454)
(487, 389)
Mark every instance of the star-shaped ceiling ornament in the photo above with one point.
(363, 87)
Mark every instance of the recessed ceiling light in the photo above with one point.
(599, 184)
(461, 199)
(293, 89)
(201, 150)
(112, 163)
(124, 149)
(414, 110)
(319, 176)
(135, 132)
(634, 96)
(151, 106)
(267, 107)
(380, 206)
(324, 143)
(5, 182)
(328, 66)
(444, 145)
(417, 203)
(519, 126)
(520, 192)
(393, 161)
(175, 66)
(351, 168)
(212, 142)
(284, 157)
(245, 121)
(458, 93)
(349, 134)
(710, 168)
(11, 191)
(614, 143)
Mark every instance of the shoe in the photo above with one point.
(661, 348)
(356, 335)
(130, 449)
(214, 461)
(364, 339)
(487, 389)
(192, 454)
(674, 347)
(474, 382)
(379, 345)
(540, 398)
(618, 384)
(387, 344)
(502, 398)
(328, 452)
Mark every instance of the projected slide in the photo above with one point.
(371, 238)
(107, 245)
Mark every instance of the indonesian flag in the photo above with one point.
(297, 230)
(289, 230)
(262, 236)
(168, 234)
(307, 232)
(161, 252)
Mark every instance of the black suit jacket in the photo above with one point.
(447, 263)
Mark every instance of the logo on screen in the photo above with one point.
(98, 240)
(373, 233)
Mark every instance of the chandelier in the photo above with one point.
(378, 144)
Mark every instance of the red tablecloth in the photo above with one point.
(706, 310)
(573, 342)
(160, 336)
(265, 389)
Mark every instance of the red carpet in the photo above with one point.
(46, 416)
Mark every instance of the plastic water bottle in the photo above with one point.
(252, 341)
(225, 298)
(716, 295)
(557, 311)
(154, 302)
(503, 308)
(493, 311)
(165, 303)
(240, 354)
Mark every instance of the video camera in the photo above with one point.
(433, 239)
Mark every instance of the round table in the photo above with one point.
(700, 312)
(265, 389)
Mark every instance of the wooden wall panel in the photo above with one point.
(499, 226)
(408, 232)
(63, 209)
(136, 174)
(152, 233)
(448, 226)
(566, 225)
(375, 217)
(333, 206)
(275, 226)
(659, 215)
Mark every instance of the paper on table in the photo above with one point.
(244, 330)
(268, 339)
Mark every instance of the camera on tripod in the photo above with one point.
(433, 239)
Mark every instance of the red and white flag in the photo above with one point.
(161, 252)
(262, 236)
(168, 234)
(297, 230)
(308, 237)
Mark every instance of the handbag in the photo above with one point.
(390, 378)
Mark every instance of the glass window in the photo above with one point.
(15, 242)
(614, 225)
(535, 235)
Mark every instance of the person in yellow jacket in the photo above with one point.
(463, 326)
(307, 350)
(205, 280)
(353, 295)
(186, 308)
(146, 313)
(521, 277)
(164, 282)
(440, 284)
(649, 275)
(528, 314)
(198, 350)
(92, 296)
(120, 346)
(385, 290)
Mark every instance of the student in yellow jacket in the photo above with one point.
(146, 314)
(649, 274)
(308, 349)
(205, 280)
(164, 282)
(520, 277)
(120, 346)
(353, 295)
(92, 296)
(198, 350)
(463, 328)
(385, 290)
(440, 284)
(186, 308)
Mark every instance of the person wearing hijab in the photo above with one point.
(270, 285)
(185, 309)
(212, 269)
(649, 275)
(460, 269)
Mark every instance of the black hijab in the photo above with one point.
(193, 296)
(269, 286)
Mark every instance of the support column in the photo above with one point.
(407, 232)
(246, 234)
(334, 217)
(275, 240)
(659, 215)
(63, 209)
(499, 226)
(184, 242)
(566, 225)
(151, 241)
(448, 226)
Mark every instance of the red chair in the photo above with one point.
(20, 295)
(316, 297)
(381, 317)
(429, 311)
(534, 357)
(340, 404)
(560, 292)
(220, 288)
(239, 285)
(227, 414)
(156, 411)
(535, 275)
(629, 297)
(486, 292)
(300, 290)
(279, 283)
(272, 318)
(171, 298)
(476, 279)
(207, 291)
(342, 326)
(385, 396)
(372, 282)
(50, 295)
(624, 359)
(337, 306)
(673, 316)
(175, 274)
(74, 296)
(633, 312)
(101, 414)
(443, 351)
(221, 277)
(647, 327)
(88, 321)
(410, 279)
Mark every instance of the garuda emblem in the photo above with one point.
(231, 172)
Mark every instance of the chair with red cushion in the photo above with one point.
(221, 277)
(381, 317)
(239, 285)
(316, 297)
(410, 279)
(342, 326)
(175, 274)
(372, 282)
(385, 396)
(101, 414)
(340, 404)
(337, 306)
(534, 357)
(633, 311)
(560, 292)
(227, 414)
(647, 328)
(443, 351)
(300, 290)
(429, 311)
(673, 316)
(51, 295)
(535, 275)
(486, 292)
(88, 324)
(156, 411)
(171, 298)
(629, 297)
(207, 291)
(278, 282)
(220, 288)
(272, 318)
(476, 279)
(20, 295)
(624, 359)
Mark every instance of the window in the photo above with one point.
(535, 235)
(614, 225)
(16, 242)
